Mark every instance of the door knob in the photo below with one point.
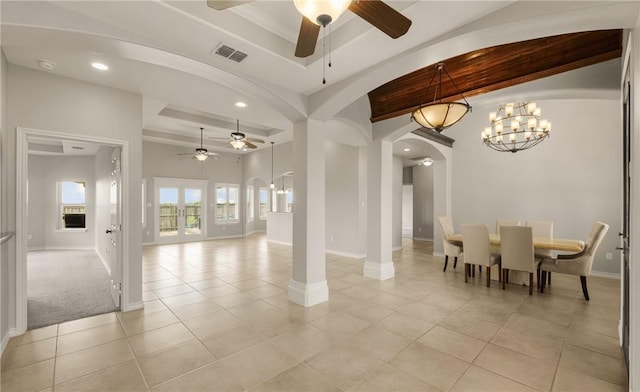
(108, 231)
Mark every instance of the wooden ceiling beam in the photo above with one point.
(494, 68)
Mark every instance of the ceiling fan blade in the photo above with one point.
(212, 154)
(307, 38)
(248, 144)
(382, 16)
(186, 153)
(253, 140)
(224, 4)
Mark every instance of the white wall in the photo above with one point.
(396, 224)
(407, 210)
(7, 250)
(573, 179)
(40, 100)
(423, 202)
(103, 168)
(342, 199)
(44, 174)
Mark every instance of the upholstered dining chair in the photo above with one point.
(517, 254)
(579, 263)
(505, 222)
(542, 229)
(450, 249)
(477, 250)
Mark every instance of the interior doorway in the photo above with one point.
(407, 211)
(69, 233)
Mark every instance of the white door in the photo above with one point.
(115, 228)
(180, 210)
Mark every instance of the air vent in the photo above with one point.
(230, 53)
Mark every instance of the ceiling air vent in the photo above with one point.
(230, 53)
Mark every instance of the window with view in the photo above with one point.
(227, 203)
(250, 212)
(71, 205)
(289, 197)
(263, 203)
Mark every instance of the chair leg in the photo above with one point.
(543, 279)
(549, 278)
(530, 283)
(473, 271)
(446, 260)
(479, 270)
(455, 262)
(466, 272)
(500, 271)
(504, 280)
(488, 276)
(538, 279)
(583, 280)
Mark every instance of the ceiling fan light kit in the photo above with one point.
(322, 12)
(439, 115)
(201, 153)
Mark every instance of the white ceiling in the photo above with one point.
(163, 51)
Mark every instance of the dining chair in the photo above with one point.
(477, 250)
(505, 222)
(542, 229)
(579, 263)
(450, 249)
(517, 252)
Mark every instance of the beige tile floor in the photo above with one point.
(217, 318)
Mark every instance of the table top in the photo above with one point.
(538, 242)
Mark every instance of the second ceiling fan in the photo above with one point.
(319, 13)
(239, 140)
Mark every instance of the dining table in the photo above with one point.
(539, 243)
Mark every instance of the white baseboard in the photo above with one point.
(5, 339)
(396, 248)
(148, 243)
(346, 254)
(225, 237)
(279, 242)
(438, 254)
(609, 275)
(253, 232)
(132, 306)
(308, 294)
(379, 271)
(423, 239)
(68, 248)
(35, 248)
(104, 262)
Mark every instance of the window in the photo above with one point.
(144, 203)
(250, 211)
(227, 209)
(274, 201)
(289, 197)
(71, 205)
(263, 203)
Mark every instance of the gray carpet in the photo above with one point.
(64, 285)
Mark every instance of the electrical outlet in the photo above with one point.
(609, 256)
(331, 238)
(29, 236)
(419, 228)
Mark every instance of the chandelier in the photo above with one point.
(516, 127)
(439, 115)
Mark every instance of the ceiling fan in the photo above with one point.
(319, 13)
(423, 161)
(239, 141)
(201, 153)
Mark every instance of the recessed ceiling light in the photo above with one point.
(407, 149)
(241, 104)
(100, 66)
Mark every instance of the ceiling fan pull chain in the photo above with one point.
(330, 35)
(324, 54)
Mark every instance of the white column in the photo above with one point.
(379, 264)
(308, 285)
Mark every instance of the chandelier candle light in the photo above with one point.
(516, 127)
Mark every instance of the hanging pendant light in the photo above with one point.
(439, 115)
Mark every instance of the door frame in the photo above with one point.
(181, 184)
(22, 159)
